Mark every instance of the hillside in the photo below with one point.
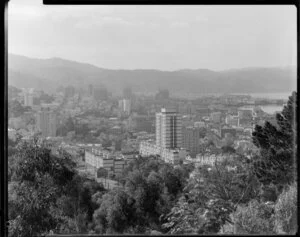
(48, 74)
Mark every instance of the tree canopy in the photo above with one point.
(278, 147)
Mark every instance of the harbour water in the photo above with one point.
(271, 109)
(279, 96)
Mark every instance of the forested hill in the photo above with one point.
(48, 74)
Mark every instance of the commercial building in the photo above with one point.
(168, 129)
(190, 140)
(199, 124)
(125, 106)
(173, 156)
(215, 117)
(46, 122)
(102, 158)
(140, 123)
(246, 113)
(209, 159)
(28, 99)
(232, 120)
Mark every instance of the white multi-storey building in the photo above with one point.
(168, 129)
(232, 120)
(28, 99)
(125, 106)
(173, 156)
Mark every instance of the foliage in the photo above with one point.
(116, 212)
(185, 218)
(48, 194)
(40, 178)
(254, 218)
(211, 195)
(101, 172)
(278, 147)
(150, 190)
(16, 109)
(68, 126)
(228, 149)
(286, 211)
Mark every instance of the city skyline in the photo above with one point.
(150, 120)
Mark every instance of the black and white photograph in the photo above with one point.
(151, 119)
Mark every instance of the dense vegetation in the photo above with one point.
(234, 196)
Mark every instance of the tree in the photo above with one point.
(101, 172)
(211, 196)
(286, 211)
(228, 149)
(68, 126)
(278, 147)
(39, 178)
(254, 218)
(116, 213)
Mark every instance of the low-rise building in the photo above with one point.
(232, 120)
(173, 156)
(215, 117)
(199, 124)
(102, 158)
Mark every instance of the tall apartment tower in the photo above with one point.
(28, 99)
(168, 129)
(46, 122)
(125, 106)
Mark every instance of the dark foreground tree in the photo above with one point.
(37, 181)
(276, 164)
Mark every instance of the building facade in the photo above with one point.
(46, 122)
(168, 129)
(125, 106)
(190, 140)
(232, 120)
(28, 99)
(216, 117)
(173, 156)
(101, 158)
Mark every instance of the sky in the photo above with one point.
(161, 37)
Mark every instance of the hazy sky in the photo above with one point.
(155, 37)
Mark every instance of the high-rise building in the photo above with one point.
(190, 140)
(28, 99)
(168, 129)
(46, 122)
(125, 106)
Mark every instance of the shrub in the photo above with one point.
(255, 218)
(286, 211)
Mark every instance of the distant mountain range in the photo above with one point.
(48, 74)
